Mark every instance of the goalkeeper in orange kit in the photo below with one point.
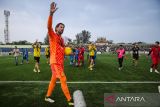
(57, 58)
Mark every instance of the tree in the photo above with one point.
(78, 38)
(46, 40)
(21, 42)
(69, 40)
(110, 41)
(83, 37)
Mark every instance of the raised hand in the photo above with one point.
(53, 8)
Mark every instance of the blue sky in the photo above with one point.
(117, 20)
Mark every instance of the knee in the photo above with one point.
(63, 79)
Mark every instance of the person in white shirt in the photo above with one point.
(16, 54)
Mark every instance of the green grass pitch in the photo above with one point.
(106, 69)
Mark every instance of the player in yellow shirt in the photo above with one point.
(47, 54)
(92, 50)
(37, 53)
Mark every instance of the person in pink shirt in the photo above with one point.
(120, 52)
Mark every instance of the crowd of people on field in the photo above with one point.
(76, 55)
(154, 52)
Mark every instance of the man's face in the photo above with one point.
(37, 44)
(60, 29)
(156, 44)
(121, 47)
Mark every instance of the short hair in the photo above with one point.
(157, 42)
(59, 25)
(121, 45)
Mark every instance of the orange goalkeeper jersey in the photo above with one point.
(56, 45)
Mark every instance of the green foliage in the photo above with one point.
(83, 37)
(21, 42)
(46, 40)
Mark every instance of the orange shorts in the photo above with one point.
(57, 70)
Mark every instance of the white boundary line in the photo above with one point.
(89, 82)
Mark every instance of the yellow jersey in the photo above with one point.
(46, 51)
(37, 51)
(92, 49)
